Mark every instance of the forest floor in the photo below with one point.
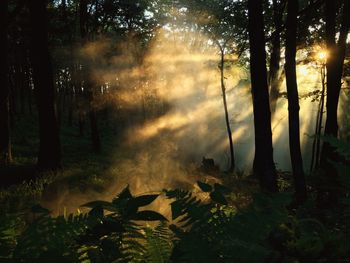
(147, 167)
(85, 176)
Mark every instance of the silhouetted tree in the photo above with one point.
(275, 57)
(227, 119)
(88, 81)
(264, 166)
(334, 65)
(50, 148)
(293, 100)
(5, 143)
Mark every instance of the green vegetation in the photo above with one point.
(205, 226)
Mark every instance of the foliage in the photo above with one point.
(107, 233)
(19, 197)
(206, 227)
(158, 243)
(220, 233)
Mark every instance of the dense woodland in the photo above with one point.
(174, 131)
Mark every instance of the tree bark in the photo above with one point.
(293, 101)
(227, 119)
(5, 141)
(50, 147)
(275, 55)
(264, 167)
(335, 63)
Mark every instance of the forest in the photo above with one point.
(174, 131)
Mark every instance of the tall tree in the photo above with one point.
(88, 80)
(264, 166)
(334, 65)
(5, 142)
(275, 57)
(293, 100)
(224, 98)
(50, 147)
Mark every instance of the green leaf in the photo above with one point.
(218, 197)
(204, 187)
(148, 215)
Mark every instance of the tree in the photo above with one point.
(49, 157)
(264, 167)
(275, 57)
(5, 142)
(225, 25)
(293, 100)
(334, 65)
(223, 90)
(88, 81)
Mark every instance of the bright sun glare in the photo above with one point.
(322, 55)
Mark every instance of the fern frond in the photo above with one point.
(158, 244)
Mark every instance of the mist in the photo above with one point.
(168, 111)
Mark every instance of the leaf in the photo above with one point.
(204, 187)
(96, 212)
(176, 209)
(176, 230)
(143, 200)
(125, 193)
(104, 204)
(148, 215)
(218, 197)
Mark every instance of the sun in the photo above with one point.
(322, 55)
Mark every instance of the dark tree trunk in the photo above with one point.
(275, 55)
(50, 149)
(70, 96)
(19, 77)
(264, 166)
(88, 81)
(27, 83)
(293, 101)
(227, 119)
(315, 157)
(335, 63)
(5, 142)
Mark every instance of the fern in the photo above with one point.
(214, 232)
(11, 226)
(117, 238)
(49, 236)
(158, 245)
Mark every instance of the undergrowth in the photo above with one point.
(206, 226)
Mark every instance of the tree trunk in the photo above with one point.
(293, 101)
(264, 166)
(335, 63)
(275, 55)
(227, 119)
(315, 157)
(5, 141)
(50, 148)
(88, 81)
